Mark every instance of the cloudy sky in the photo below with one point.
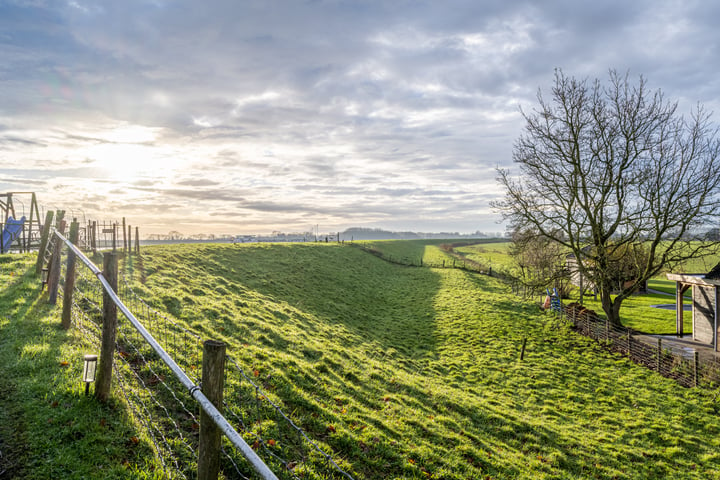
(255, 115)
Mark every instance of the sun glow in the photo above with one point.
(126, 152)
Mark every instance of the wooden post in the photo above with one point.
(70, 277)
(659, 354)
(125, 239)
(629, 352)
(128, 248)
(607, 330)
(109, 330)
(54, 269)
(44, 237)
(695, 368)
(114, 237)
(137, 240)
(213, 375)
(94, 237)
(522, 349)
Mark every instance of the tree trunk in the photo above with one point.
(610, 307)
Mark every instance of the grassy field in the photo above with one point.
(48, 427)
(402, 372)
(417, 369)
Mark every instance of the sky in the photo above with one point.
(249, 116)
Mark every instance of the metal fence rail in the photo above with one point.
(135, 360)
(250, 409)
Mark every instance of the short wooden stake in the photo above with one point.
(659, 354)
(109, 329)
(522, 349)
(213, 375)
(70, 277)
(44, 237)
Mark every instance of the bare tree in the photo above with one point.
(607, 170)
(540, 260)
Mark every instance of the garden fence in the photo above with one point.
(685, 365)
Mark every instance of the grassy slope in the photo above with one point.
(416, 369)
(48, 427)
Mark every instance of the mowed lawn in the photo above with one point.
(417, 370)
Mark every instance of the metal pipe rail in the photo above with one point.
(195, 391)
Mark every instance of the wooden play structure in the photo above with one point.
(19, 233)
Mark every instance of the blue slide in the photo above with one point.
(11, 232)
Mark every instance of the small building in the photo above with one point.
(705, 305)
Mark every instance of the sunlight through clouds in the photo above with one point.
(277, 115)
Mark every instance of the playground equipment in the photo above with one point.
(25, 232)
(10, 233)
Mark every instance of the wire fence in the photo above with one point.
(167, 410)
(250, 409)
(686, 363)
(454, 260)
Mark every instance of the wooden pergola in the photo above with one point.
(705, 305)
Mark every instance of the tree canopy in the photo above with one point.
(612, 172)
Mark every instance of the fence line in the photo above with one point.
(457, 262)
(288, 433)
(685, 367)
(161, 402)
(193, 389)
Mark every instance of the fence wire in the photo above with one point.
(279, 441)
(686, 366)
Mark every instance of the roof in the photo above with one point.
(714, 274)
(694, 279)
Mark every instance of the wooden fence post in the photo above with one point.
(44, 241)
(659, 354)
(54, 269)
(607, 330)
(70, 277)
(137, 240)
(629, 352)
(94, 236)
(695, 369)
(109, 330)
(129, 240)
(213, 375)
(125, 239)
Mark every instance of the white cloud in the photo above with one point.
(280, 114)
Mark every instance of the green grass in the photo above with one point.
(637, 313)
(417, 369)
(48, 427)
(432, 252)
(495, 256)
